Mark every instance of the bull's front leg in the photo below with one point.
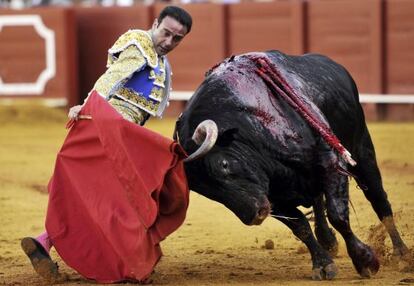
(336, 192)
(323, 265)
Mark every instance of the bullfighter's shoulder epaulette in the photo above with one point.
(139, 38)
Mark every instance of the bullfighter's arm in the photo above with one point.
(129, 61)
(118, 72)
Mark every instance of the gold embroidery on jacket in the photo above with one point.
(156, 93)
(162, 65)
(130, 53)
(142, 40)
(152, 74)
(159, 79)
(128, 111)
(131, 96)
(130, 60)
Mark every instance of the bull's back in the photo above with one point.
(328, 85)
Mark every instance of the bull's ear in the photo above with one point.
(226, 136)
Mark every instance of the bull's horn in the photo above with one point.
(205, 135)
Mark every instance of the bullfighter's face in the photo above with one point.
(167, 35)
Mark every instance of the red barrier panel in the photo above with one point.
(400, 57)
(373, 39)
(266, 26)
(38, 53)
(98, 29)
(400, 46)
(350, 33)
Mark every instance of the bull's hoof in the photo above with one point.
(405, 261)
(327, 272)
(402, 253)
(366, 273)
(364, 259)
(369, 268)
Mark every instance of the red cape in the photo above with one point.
(117, 190)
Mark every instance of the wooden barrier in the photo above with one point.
(266, 26)
(38, 54)
(399, 57)
(350, 33)
(373, 39)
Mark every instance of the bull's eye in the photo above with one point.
(224, 164)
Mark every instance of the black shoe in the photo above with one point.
(40, 259)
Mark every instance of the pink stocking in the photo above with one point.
(44, 240)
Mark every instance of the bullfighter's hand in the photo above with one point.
(74, 112)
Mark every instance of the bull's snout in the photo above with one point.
(261, 215)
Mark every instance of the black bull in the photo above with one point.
(268, 146)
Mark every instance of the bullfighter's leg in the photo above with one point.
(336, 192)
(369, 178)
(324, 234)
(37, 250)
(323, 265)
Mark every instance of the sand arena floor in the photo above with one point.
(212, 247)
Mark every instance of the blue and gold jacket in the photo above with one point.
(136, 74)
